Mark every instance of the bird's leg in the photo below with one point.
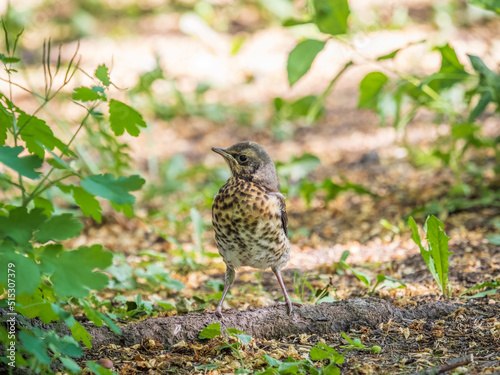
(288, 302)
(228, 281)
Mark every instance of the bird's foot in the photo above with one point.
(289, 305)
(218, 311)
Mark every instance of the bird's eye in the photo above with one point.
(243, 158)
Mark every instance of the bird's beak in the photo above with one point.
(223, 152)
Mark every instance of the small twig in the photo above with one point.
(447, 366)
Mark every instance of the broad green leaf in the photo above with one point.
(331, 369)
(464, 131)
(22, 270)
(494, 239)
(71, 281)
(331, 16)
(210, 331)
(167, 306)
(289, 368)
(450, 72)
(488, 80)
(81, 334)
(36, 346)
(25, 165)
(438, 246)
(245, 339)
(489, 292)
(70, 364)
(87, 202)
(35, 305)
(301, 58)
(493, 5)
(5, 123)
(45, 205)
(37, 134)
(58, 228)
(21, 224)
(273, 362)
(124, 118)
(113, 189)
(65, 345)
(98, 369)
(85, 94)
(318, 354)
(103, 75)
(369, 89)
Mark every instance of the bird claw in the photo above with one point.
(218, 312)
(289, 306)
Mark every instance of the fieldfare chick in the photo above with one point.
(249, 216)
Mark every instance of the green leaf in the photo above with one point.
(331, 16)
(488, 80)
(301, 58)
(35, 346)
(318, 354)
(369, 89)
(81, 334)
(245, 339)
(124, 118)
(87, 202)
(5, 123)
(35, 305)
(114, 190)
(493, 5)
(429, 261)
(483, 102)
(45, 205)
(25, 165)
(103, 75)
(37, 134)
(58, 228)
(360, 275)
(210, 331)
(438, 246)
(70, 364)
(85, 94)
(464, 131)
(167, 306)
(273, 362)
(65, 345)
(98, 369)
(71, 281)
(24, 271)
(494, 239)
(21, 224)
(390, 55)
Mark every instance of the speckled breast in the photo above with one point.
(248, 226)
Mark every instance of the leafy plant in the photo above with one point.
(316, 296)
(50, 279)
(492, 288)
(365, 279)
(213, 330)
(436, 255)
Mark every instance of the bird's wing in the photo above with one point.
(282, 206)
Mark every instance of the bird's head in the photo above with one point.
(250, 161)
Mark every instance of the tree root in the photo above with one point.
(271, 322)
